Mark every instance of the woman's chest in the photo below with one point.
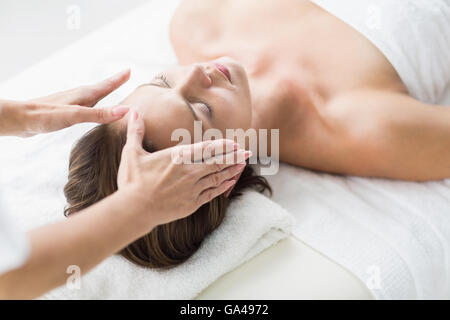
(294, 39)
(250, 30)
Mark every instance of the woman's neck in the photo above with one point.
(286, 102)
(279, 99)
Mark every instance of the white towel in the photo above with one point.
(252, 224)
(14, 246)
(414, 35)
(393, 235)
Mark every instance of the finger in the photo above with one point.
(212, 193)
(235, 179)
(200, 171)
(65, 97)
(216, 179)
(78, 114)
(55, 117)
(205, 150)
(220, 162)
(238, 156)
(87, 96)
(90, 95)
(135, 130)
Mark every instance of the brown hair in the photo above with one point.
(93, 167)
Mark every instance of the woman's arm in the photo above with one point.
(84, 240)
(381, 134)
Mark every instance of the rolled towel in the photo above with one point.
(252, 223)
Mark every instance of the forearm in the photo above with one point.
(13, 118)
(84, 240)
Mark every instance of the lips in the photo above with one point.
(224, 70)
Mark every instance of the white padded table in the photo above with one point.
(288, 270)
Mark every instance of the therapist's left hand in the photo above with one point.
(61, 110)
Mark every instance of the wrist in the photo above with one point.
(136, 208)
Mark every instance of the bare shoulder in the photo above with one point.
(352, 132)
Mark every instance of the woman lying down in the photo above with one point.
(338, 102)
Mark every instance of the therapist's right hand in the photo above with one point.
(165, 190)
(61, 110)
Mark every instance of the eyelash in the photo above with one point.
(207, 106)
(163, 79)
(166, 82)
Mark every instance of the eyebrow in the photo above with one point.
(166, 85)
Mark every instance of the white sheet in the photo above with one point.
(414, 35)
(394, 232)
(14, 246)
(392, 235)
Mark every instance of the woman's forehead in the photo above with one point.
(163, 112)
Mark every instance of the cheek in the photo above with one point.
(234, 113)
(236, 119)
(159, 128)
(242, 114)
(158, 134)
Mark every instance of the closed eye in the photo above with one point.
(208, 107)
(163, 79)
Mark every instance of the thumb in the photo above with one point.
(135, 130)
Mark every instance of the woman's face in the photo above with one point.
(216, 93)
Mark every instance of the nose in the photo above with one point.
(196, 77)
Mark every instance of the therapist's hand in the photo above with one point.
(61, 110)
(166, 190)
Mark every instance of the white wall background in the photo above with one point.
(31, 30)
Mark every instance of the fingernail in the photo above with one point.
(118, 76)
(133, 116)
(240, 166)
(120, 110)
(248, 154)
